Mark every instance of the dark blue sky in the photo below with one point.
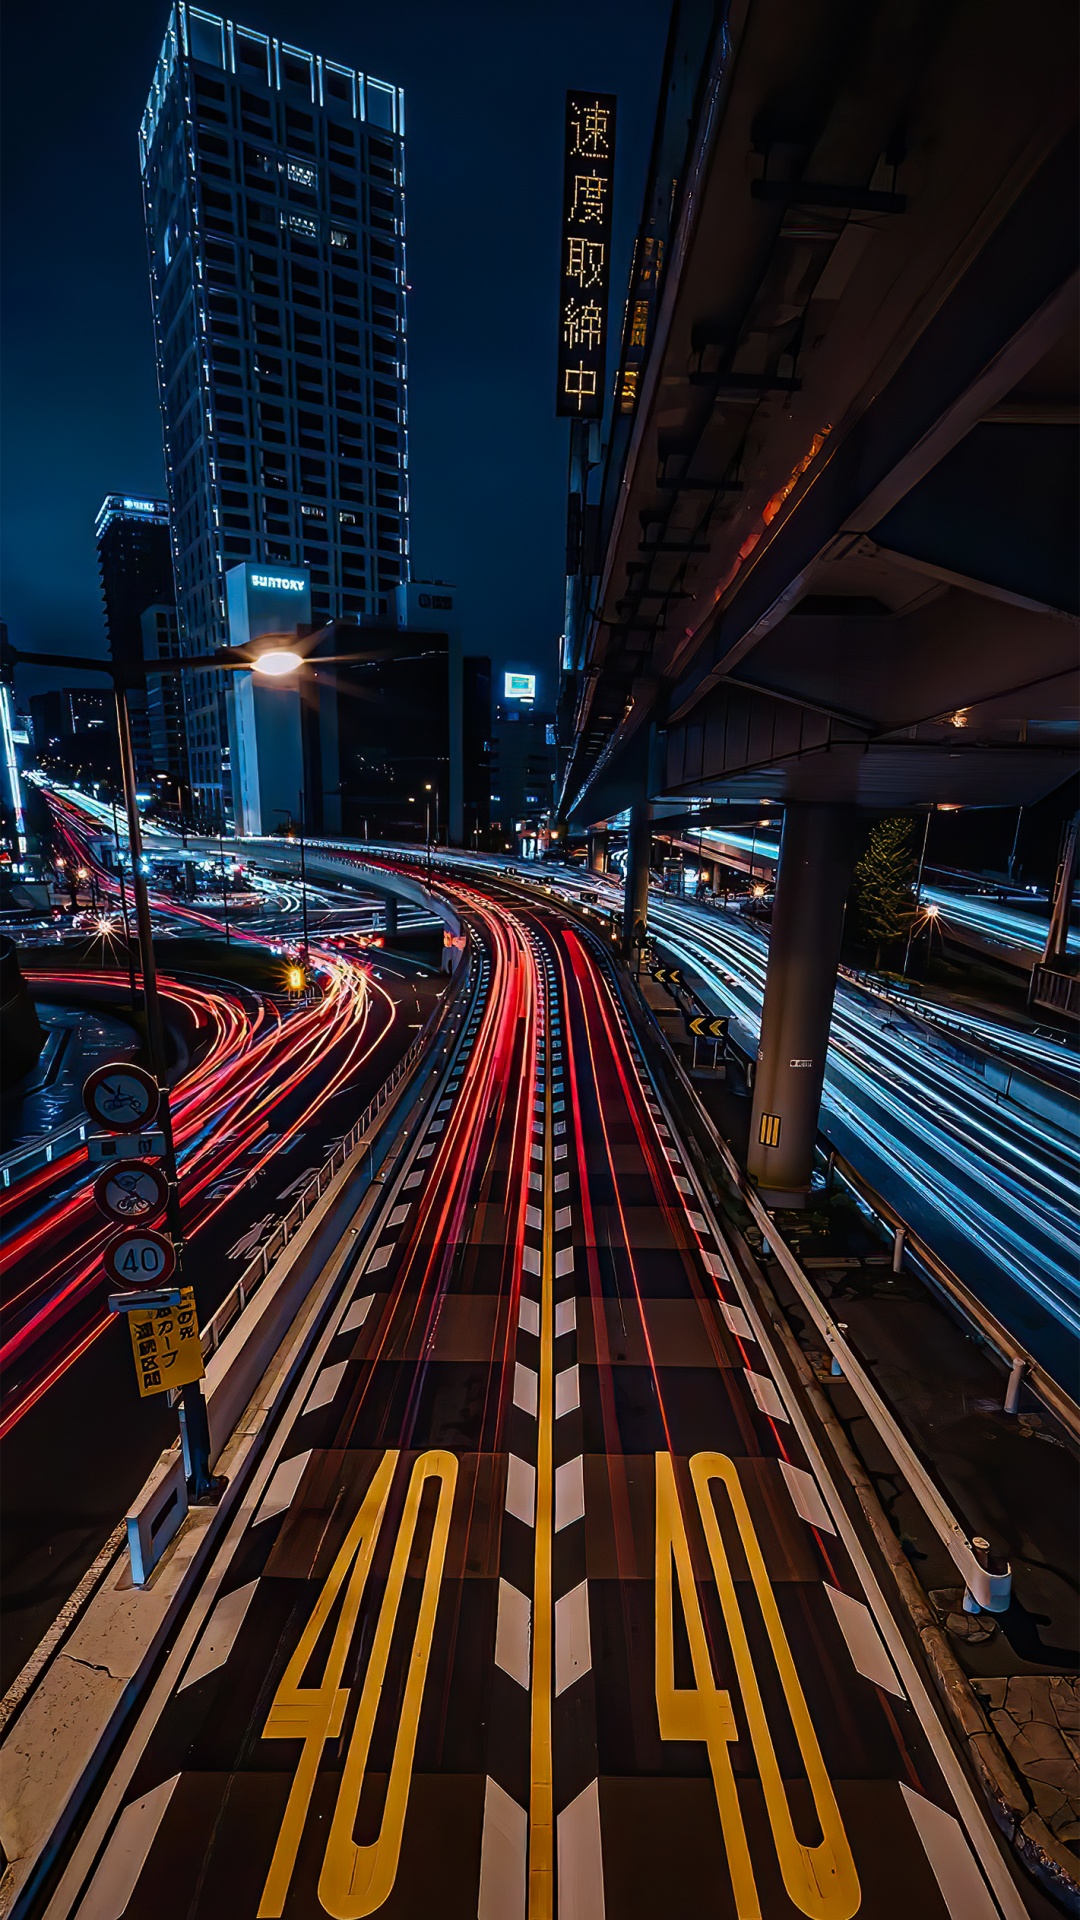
(484, 104)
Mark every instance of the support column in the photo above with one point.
(598, 850)
(814, 871)
(390, 916)
(636, 889)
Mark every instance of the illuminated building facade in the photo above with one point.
(135, 563)
(273, 186)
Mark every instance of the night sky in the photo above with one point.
(484, 88)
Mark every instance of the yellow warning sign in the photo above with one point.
(165, 1342)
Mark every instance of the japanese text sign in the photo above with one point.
(165, 1342)
(585, 262)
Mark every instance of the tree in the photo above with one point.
(883, 883)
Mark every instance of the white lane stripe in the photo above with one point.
(864, 1643)
(521, 1489)
(534, 1218)
(281, 1492)
(562, 1181)
(529, 1315)
(325, 1386)
(580, 1858)
(564, 1262)
(357, 1314)
(569, 1492)
(806, 1496)
(567, 1391)
(960, 1883)
(562, 1219)
(697, 1221)
(219, 1634)
(379, 1259)
(124, 1858)
(502, 1857)
(525, 1388)
(513, 1633)
(573, 1647)
(530, 1259)
(712, 1264)
(764, 1392)
(399, 1214)
(565, 1317)
(413, 1180)
(737, 1321)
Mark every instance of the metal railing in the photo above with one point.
(41, 1153)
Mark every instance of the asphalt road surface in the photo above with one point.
(540, 1600)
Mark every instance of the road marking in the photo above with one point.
(534, 1218)
(325, 1386)
(697, 1221)
(380, 1258)
(281, 1492)
(357, 1314)
(573, 1647)
(413, 1180)
(806, 1496)
(764, 1392)
(113, 1884)
(399, 1214)
(864, 1643)
(562, 1181)
(529, 1314)
(569, 1492)
(562, 1219)
(219, 1634)
(565, 1317)
(536, 1182)
(713, 1264)
(502, 1856)
(737, 1321)
(530, 1260)
(960, 1883)
(564, 1262)
(567, 1391)
(520, 1489)
(513, 1633)
(525, 1388)
(581, 1860)
(541, 1897)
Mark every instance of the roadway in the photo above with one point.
(271, 1084)
(541, 1597)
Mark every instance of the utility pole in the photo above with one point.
(124, 911)
(202, 1484)
(303, 883)
(224, 889)
(918, 897)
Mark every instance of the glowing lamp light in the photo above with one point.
(105, 925)
(295, 979)
(759, 893)
(274, 665)
(932, 912)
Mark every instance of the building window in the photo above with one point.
(301, 174)
(301, 223)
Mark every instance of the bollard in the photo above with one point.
(990, 1588)
(836, 1370)
(1016, 1376)
(899, 1238)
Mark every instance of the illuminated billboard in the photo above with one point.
(585, 267)
(519, 686)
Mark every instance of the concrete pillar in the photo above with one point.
(598, 850)
(636, 889)
(390, 916)
(816, 855)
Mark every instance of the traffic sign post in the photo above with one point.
(164, 1340)
(140, 1257)
(125, 1146)
(128, 1193)
(122, 1097)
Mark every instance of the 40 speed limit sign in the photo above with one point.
(141, 1258)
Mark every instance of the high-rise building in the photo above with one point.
(135, 563)
(273, 186)
(75, 733)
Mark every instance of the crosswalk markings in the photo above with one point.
(281, 1491)
(357, 1314)
(219, 1634)
(521, 1489)
(806, 1496)
(573, 1645)
(513, 1633)
(864, 1643)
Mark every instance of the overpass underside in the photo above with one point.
(840, 561)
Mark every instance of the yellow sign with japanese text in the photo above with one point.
(165, 1342)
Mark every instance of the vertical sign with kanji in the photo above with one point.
(165, 1341)
(585, 265)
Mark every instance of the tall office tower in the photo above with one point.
(273, 187)
(135, 563)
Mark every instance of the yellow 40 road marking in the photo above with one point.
(821, 1881)
(356, 1880)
